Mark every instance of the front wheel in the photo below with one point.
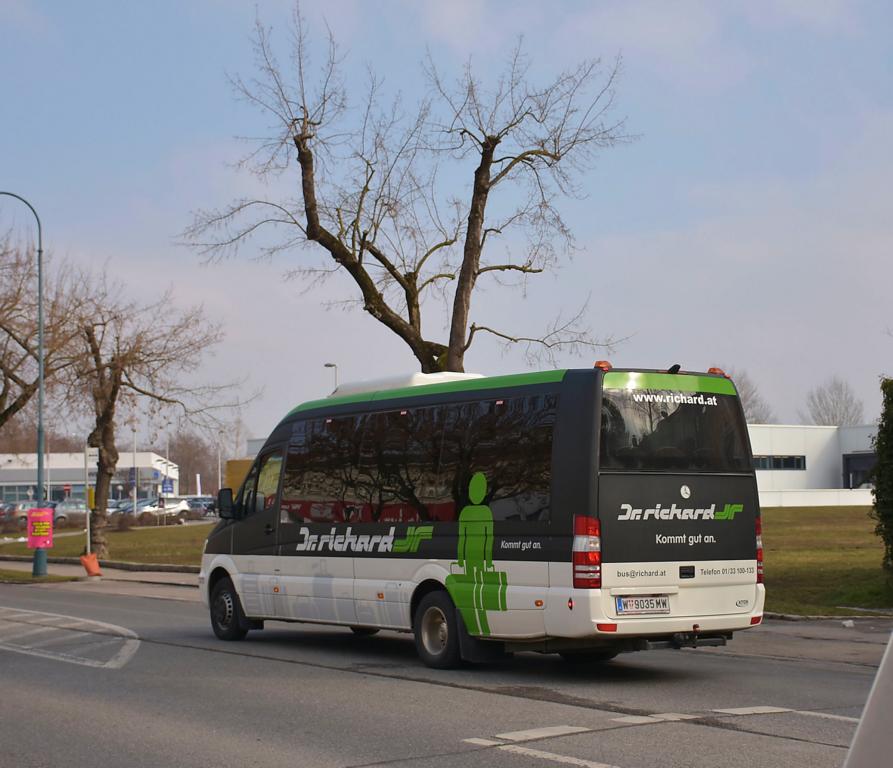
(436, 630)
(227, 619)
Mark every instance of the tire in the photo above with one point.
(61, 520)
(364, 631)
(436, 630)
(227, 618)
(594, 656)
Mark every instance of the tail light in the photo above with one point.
(759, 551)
(587, 553)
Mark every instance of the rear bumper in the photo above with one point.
(582, 615)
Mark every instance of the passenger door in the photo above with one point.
(254, 535)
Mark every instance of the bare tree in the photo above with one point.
(374, 183)
(64, 294)
(756, 409)
(832, 403)
(133, 352)
(194, 455)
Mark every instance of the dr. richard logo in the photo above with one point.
(660, 512)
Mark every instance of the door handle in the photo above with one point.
(268, 528)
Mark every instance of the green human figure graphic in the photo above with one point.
(479, 588)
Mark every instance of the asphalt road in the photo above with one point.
(97, 675)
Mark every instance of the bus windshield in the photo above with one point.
(670, 431)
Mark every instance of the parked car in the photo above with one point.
(22, 507)
(68, 510)
(203, 504)
(126, 507)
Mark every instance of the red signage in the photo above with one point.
(40, 528)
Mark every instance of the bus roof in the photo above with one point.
(419, 385)
(466, 383)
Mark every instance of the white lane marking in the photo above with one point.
(483, 742)
(826, 715)
(555, 758)
(541, 733)
(636, 719)
(672, 716)
(5, 638)
(753, 711)
(39, 621)
(60, 637)
(664, 717)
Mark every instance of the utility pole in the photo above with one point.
(39, 567)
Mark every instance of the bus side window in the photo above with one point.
(260, 489)
(245, 500)
(267, 493)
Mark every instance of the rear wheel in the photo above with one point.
(594, 656)
(364, 631)
(436, 630)
(227, 619)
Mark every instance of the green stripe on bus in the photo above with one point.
(463, 385)
(669, 381)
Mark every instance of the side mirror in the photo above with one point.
(225, 503)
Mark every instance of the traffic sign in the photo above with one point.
(167, 485)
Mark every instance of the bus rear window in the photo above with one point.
(669, 431)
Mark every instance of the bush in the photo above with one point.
(146, 519)
(883, 474)
(125, 522)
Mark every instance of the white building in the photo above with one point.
(806, 466)
(64, 474)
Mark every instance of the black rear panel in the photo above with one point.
(663, 517)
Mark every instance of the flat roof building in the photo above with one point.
(65, 474)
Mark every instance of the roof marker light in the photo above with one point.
(603, 364)
(718, 372)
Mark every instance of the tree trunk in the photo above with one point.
(471, 258)
(103, 438)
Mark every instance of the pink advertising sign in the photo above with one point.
(40, 528)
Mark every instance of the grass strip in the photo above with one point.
(170, 545)
(823, 561)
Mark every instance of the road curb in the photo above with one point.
(797, 617)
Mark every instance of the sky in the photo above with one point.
(747, 226)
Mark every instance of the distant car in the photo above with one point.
(69, 509)
(22, 507)
(205, 505)
(168, 507)
(125, 507)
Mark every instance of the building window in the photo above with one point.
(779, 462)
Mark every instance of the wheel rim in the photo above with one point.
(224, 608)
(435, 631)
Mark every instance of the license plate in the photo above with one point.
(640, 604)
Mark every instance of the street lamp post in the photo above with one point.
(136, 476)
(335, 366)
(40, 556)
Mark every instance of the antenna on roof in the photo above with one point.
(674, 368)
